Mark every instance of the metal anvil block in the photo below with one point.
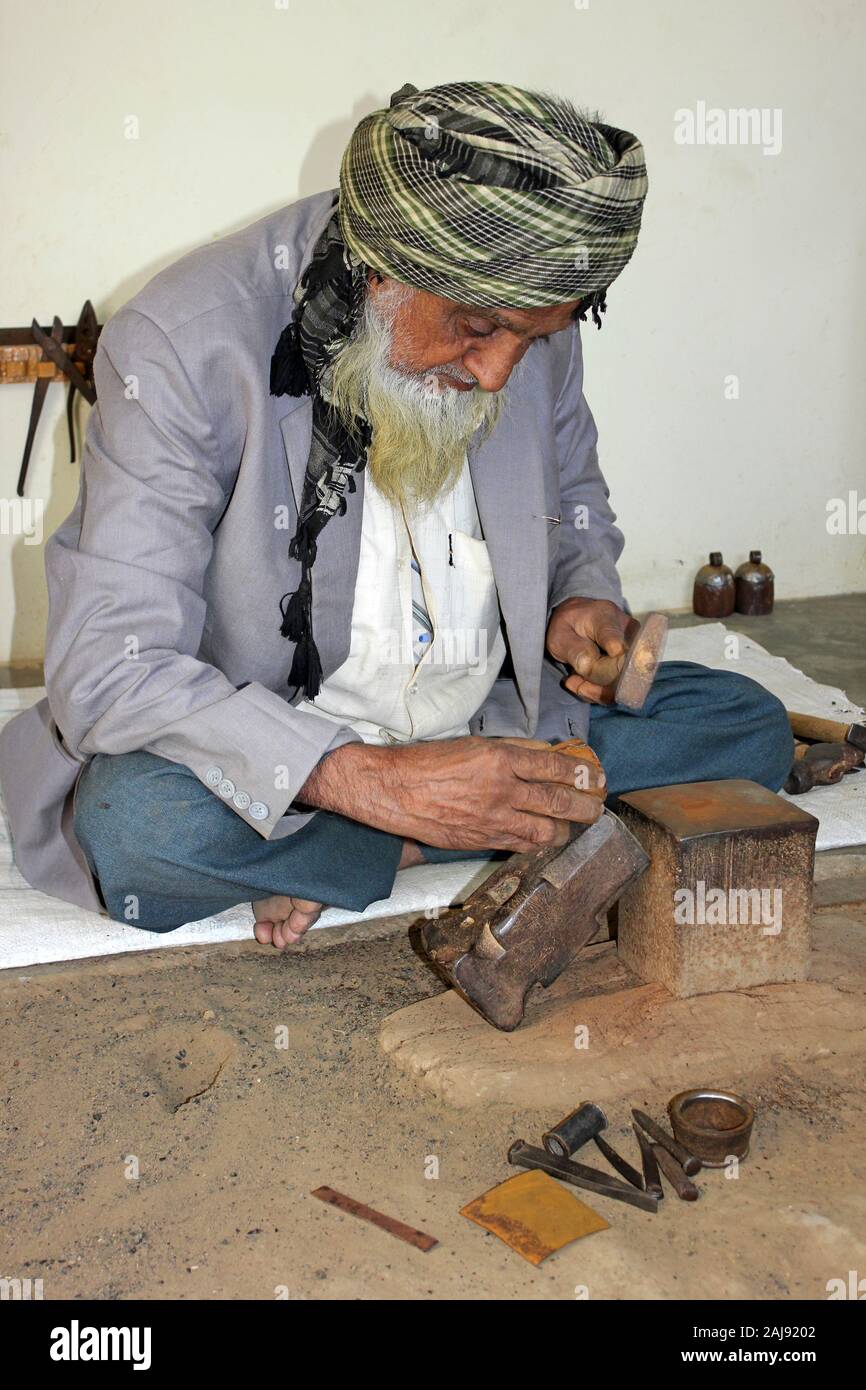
(727, 899)
(530, 918)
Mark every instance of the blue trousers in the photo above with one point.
(166, 851)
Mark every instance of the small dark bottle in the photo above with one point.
(715, 591)
(754, 583)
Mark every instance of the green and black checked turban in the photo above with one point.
(490, 195)
(475, 191)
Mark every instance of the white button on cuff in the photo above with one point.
(226, 788)
(259, 811)
(213, 776)
(241, 800)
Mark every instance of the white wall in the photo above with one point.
(749, 264)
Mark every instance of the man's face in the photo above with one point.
(428, 374)
(462, 347)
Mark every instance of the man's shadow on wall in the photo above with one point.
(319, 170)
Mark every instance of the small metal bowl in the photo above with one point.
(713, 1125)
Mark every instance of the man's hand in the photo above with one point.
(462, 793)
(581, 633)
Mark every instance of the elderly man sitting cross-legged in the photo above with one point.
(342, 531)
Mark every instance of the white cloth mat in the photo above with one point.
(841, 810)
(35, 929)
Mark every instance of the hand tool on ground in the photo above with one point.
(634, 670)
(575, 1130)
(689, 1163)
(39, 393)
(819, 730)
(714, 1125)
(822, 765)
(682, 1186)
(419, 1239)
(524, 1155)
(651, 1178)
(622, 1166)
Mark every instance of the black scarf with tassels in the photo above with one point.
(327, 303)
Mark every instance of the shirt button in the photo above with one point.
(258, 810)
(241, 800)
(226, 788)
(213, 776)
(413, 690)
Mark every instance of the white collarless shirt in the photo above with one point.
(426, 642)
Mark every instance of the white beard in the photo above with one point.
(420, 427)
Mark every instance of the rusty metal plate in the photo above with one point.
(534, 1215)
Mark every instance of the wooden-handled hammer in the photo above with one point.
(634, 671)
(810, 726)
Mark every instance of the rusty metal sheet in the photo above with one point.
(409, 1234)
(534, 1215)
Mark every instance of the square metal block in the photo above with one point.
(727, 899)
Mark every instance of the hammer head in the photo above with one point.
(856, 736)
(642, 662)
(528, 921)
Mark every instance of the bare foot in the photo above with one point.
(283, 921)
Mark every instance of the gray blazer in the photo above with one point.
(165, 581)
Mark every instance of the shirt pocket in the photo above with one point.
(473, 621)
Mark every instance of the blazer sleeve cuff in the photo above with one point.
(252, 750)
(588, 581)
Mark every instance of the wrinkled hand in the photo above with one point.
(586, 634)
(462, 793)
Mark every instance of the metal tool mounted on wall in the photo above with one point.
(63, 354)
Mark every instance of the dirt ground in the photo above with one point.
(165, 1117)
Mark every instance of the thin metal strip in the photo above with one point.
(409, 1234)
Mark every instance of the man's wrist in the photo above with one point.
(334, 783)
